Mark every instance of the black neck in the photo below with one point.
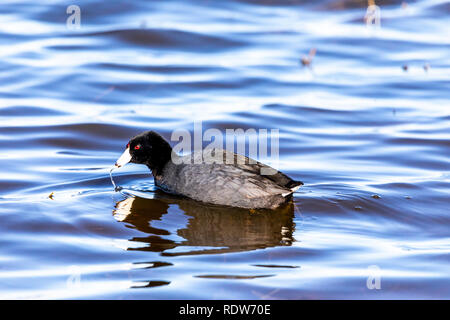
(158, 161)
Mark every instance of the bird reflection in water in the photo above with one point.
(177, 226)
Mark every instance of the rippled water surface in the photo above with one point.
(366, 127)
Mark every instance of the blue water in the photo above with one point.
(366, 127)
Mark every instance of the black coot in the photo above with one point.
(209, 175)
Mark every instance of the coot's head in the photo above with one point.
(147, 148)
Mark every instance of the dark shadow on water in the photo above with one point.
(151, 284)
(208, 230)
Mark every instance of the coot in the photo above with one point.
(212, 175)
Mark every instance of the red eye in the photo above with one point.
(137, 147)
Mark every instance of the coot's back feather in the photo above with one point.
(212, 175)
(238, 184)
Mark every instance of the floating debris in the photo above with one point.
(307, 60)
(426, 67)
(405, 67)
(358, 208)
(375, 196)
(51, 195)
(407, 197)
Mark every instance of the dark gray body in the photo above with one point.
(239, 184)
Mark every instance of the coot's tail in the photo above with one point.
(293, 186)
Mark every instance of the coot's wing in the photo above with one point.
(265, 171)
(221, 182)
